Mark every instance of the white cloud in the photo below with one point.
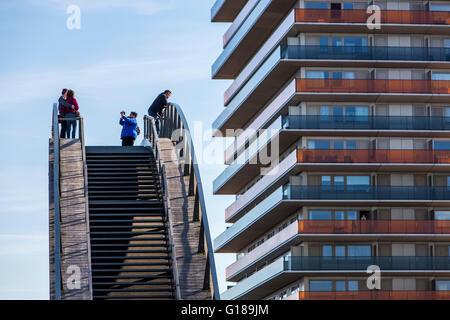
(18, 236)
(114, 75)
(144, 7)
(23, 245)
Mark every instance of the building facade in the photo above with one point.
(340, 163)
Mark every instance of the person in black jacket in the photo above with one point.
(156, 109)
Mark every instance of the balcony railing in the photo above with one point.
(366, 122)
(362, 192)
(361, 16)
(374, 226)
(386, 263)
(370, 295)
(327, 227)
(374, 86)
(373, 156)
(364, 53)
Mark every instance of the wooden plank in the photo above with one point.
(191, 264)
(74, 235)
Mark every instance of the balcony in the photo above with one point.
(226, 10)
(365, 53)
(285, 200)
(391, 123)
(310, 20)
(288, 269)
(374, 227)
(295, 56)
(252, 27)
(370, 295)
(369, 86)
(234, 178)
(360, 192)
(374, 156)
(269, 78)
(361, 16)
(386, 263)
(314, 230)
(360, 123)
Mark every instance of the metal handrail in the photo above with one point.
(163, 184)
(56, 204)
(56, 191)
(175, 123)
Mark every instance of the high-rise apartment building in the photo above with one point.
(350, 102)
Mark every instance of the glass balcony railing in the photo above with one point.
(363, 192)
(370, 295)
(374, 86)
(374, 226)
(293, 263)
(373, 156)
(244, 158)
(364, 53)
(240, 33)
(361, 16)
(366, 122)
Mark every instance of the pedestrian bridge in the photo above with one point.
(129, 222)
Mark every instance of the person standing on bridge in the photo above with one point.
(129, 128)
(156, 109)
(63, 104)
(72, 112)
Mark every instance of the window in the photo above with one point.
(446, 43)
(317, 285)
(442, 145)
(358, 180)
(340, 285)
(442, 215)
(352, 285)
(319, 144)
(337, 75)
(338, 145)
(339, 251)
(351, 111)
(339, 181)
(339, 215)
(348, 6)
(359, 251)
(352, 215)
(355, 41)
(338, 111)
(317, 75)
(351, 145)
(324, 110)
(442, 285)
(326, 180)
(319, 215)
(349, 75)
(336, 42)
(439, 7)
(316, 5)
(440, 76)
(327, 251)
(323, 41)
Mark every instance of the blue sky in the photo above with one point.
(125, 53)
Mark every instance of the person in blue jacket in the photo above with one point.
(129, 128)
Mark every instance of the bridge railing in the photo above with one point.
(175, 127)
(149, 126)
(58, 282)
